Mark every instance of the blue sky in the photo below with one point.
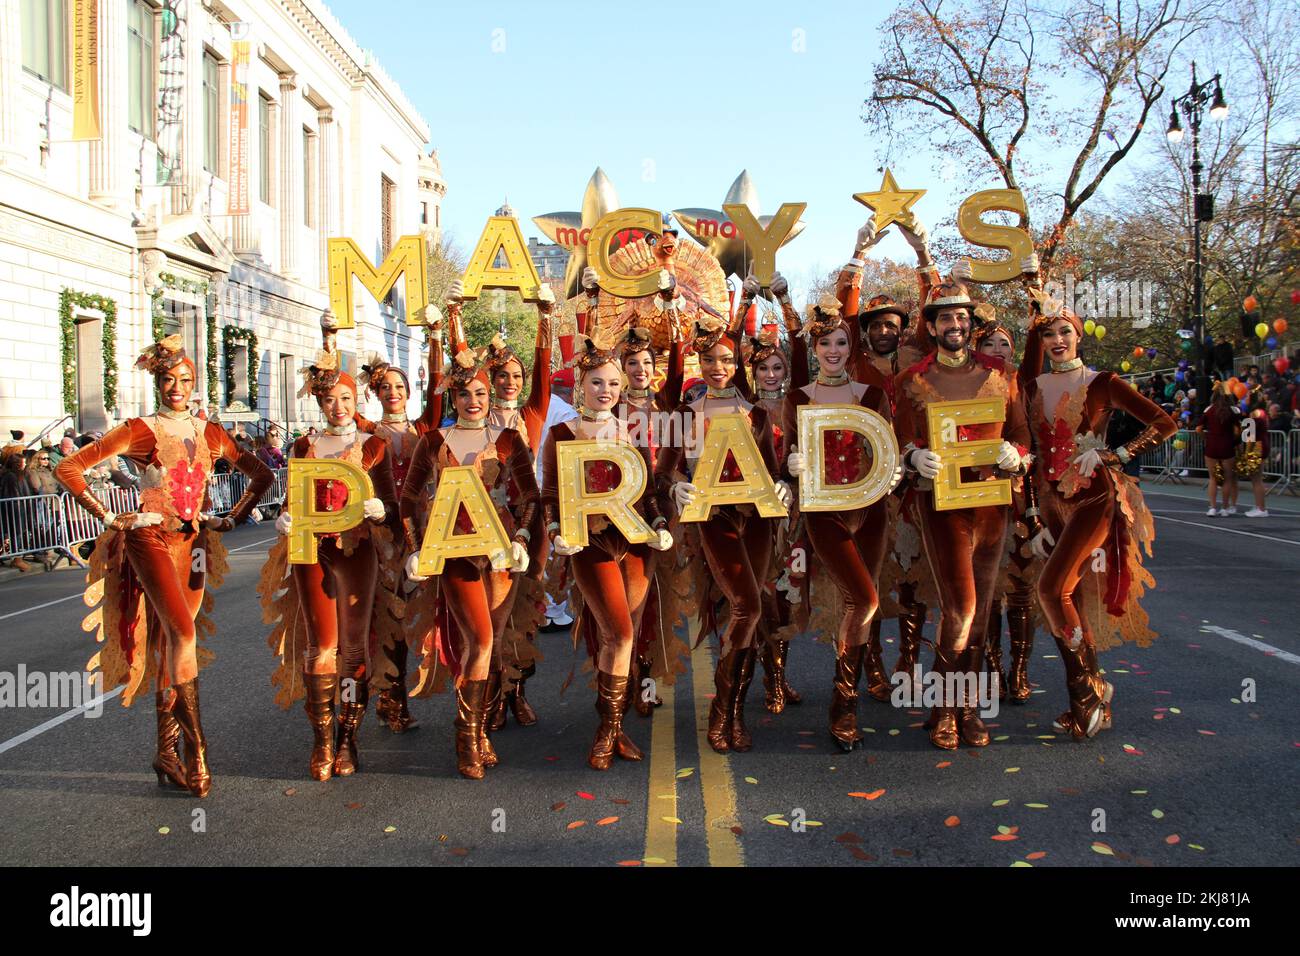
(672, 99)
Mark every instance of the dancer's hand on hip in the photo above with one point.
(411, 573)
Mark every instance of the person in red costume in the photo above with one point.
(736, 542)
(475, 595)
(1087, 505)
(517, 654)
(613, 576)
(850, 545)
(772, 377)
(963, 546)
(390, 386)
(147, 559)
(328, 608)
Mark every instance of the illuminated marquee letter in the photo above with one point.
(944, 420)
(501, 237)
(731, 433)
(461, 485)
(814, 422)
(1012, 238)
(764, 243)
(577, 502)
(627, 287)
(301, 502)
(406, 259)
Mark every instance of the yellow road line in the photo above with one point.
(660, 835)
(716, 781)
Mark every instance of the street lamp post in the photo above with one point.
(1192, 104)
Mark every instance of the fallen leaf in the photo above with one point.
(1103, 849)
(1036, 806)
(942, 763)
(1196, 846)
(874, 794)
(291, 791)
(354, 806)
(559, 806)
(585, 796)
(390, 829)
(575, 824)
(952, 821)
(1012, 770)
(1036, 855)
(848, 838)
(164, 830)
(617, 801)
(753, 779)
(1000, 803)
(629, 862)
(653, 860)
(1207, 733)
(1157, 813)
(1022, 863)
(685, 772)
(1172, 839)
(670, 819)
(606, 821)
(1004, 837)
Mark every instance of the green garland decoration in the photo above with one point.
(68, 300)
(158, 316)
(231, 336)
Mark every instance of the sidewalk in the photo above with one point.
(1194, 489)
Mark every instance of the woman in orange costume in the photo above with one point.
(850, 544)
(613, 575)
(475, 594)
(507, 373)
(144, 562)
(998, 339)
(1087, 504)
(638, 406)
(328, 609)
(736, 542)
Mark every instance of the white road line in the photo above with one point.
(1215, 527)
(1268, 649)
(253, 545)
(40, 606)
(53, 722)
(1274, 510)
(1198, 511)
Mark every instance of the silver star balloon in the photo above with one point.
(714, 230)
(569, 229)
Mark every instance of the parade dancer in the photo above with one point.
(475, 595)
(328, 609)
(963, 547)
(640, 405)
(736, 542)
(150, 567)
(613, 576)
(1087, 505)
(850, 545)
(507, 372)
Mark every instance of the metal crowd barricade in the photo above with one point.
(30, 525)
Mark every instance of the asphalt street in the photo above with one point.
(1200, 768)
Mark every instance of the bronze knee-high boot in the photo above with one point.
(782, 655)
(873, 665)
(469, 728)
(391, 706)
(969, 725)
(186, 710)
(320, 711)
(636, 697)
(346, 761)
(1089, 694)
(844, 698)
(611, 702)
(493, 698)
(491, 704)
(942, 724)
(740, 739)
(773, 672)
(993, 646)
(911, 621)
(167, 764)
(525, 716)
(724, 679)
(1021, 625)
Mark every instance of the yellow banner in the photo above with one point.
(85, 69)
(240, 43)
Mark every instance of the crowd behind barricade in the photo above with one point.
(35, 522)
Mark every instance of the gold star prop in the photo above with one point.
(714, 230)
(889, 203)
(570, 229)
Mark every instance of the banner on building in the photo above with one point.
(171, 90)
(85, 69)
(240, 44)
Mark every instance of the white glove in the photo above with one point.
(411, 573)
(897, 479)
(256, 516)
(918, 237)
(795, 462)
(589, 279)
(284, 523)
(1008, 457)
(147, 519)
(868, 237)
(1029, 264)
(501, 560)
(373, 508)
(780, 287)
(456, 291)
(562, 547)
(663, 540)
(750, 287)
(545, 294)
(961, 270)
(1041, 543)
(1087, 462)
(684, 493)
(784, 495)
(519, 557)
(926, 462)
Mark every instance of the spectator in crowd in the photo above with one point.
(41, 482)
(67, 445)
(1278, 420)
(13, 484)
(1253, 457)
(1220, 428)
(269, 453)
